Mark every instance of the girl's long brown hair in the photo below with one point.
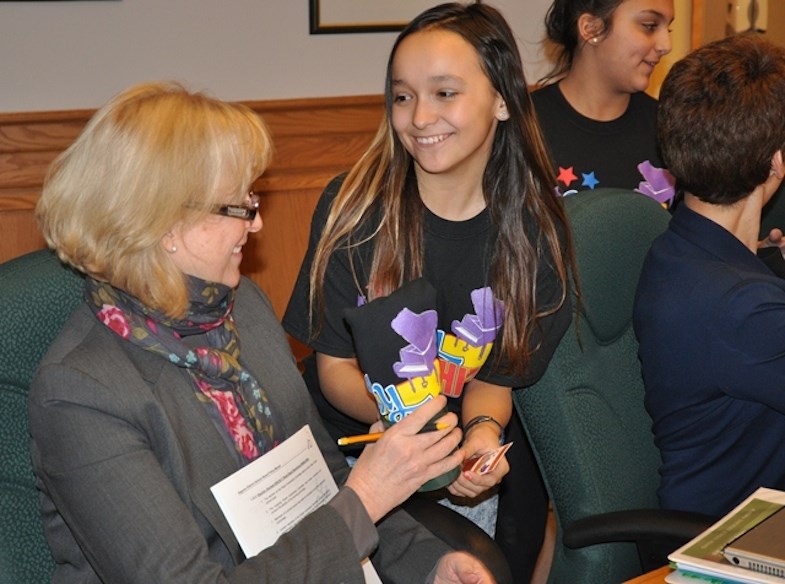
(518, 186)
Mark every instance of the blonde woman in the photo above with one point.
(175, 373)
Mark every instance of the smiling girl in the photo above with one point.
(597, 121)
(456, 189)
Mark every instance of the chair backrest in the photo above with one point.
(585, 418)
(37, 294)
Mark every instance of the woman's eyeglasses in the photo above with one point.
(244, 212)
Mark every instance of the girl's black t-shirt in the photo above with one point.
(456, 263)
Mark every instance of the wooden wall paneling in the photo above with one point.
(314, 139)
(273, 256)
(28, 143)
(18, 230)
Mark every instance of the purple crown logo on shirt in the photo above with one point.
(480, 329)
(659, 184)
(417, 358)
(418, 366)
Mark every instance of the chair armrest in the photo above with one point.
(636, 525)
(461, 534)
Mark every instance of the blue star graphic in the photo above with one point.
(589, 180)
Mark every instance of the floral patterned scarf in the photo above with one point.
(222, 383)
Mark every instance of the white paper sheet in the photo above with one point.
(269, 496)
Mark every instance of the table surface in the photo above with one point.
(655, 577)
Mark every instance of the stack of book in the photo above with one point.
(747, 546)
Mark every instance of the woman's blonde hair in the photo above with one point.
(149, 159)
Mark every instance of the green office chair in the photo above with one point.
(37, 294)
(585, 418)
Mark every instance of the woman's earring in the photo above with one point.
(503, 115)
(169, 248)
(594, 40)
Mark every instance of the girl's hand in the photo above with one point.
(480, 439)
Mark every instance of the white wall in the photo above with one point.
(76, 54)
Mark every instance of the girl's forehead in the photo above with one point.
(436, 49)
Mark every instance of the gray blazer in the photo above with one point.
(125, 457)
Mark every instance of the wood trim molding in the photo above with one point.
(696, 38)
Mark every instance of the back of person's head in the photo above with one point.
(721, 117)
(150, 158)
(561, 27)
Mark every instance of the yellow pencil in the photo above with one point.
(367, 438)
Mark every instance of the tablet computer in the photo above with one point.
(762, 547)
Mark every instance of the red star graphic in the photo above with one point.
(566, 175)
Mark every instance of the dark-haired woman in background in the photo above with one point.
(599, 125)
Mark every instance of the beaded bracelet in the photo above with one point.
(479, 420)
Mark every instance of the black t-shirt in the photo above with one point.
(590, 154)
(456, 263)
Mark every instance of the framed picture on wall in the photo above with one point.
(343, 16)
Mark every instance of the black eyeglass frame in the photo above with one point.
(244, 212)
